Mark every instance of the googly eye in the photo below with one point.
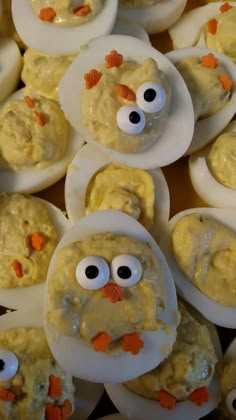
(92, 273)
(126, 270)
(130, 119)
(151, 97)
(8, 365)
(231, 402)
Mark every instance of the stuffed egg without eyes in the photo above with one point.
(215, 247)
(143, 195)
(155, 16)
(148, 140)
(206, 128)
(92, 357)
(11, 63)
(47, 37)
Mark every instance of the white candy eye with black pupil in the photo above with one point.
(130, 119)
(8, 365)
(92, 273)
(126, 270)
(231, 402)
(151, 97)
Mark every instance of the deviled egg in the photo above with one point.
(228, 383)
(126, 27)
(212, 170)
(201, 252)
(11, 64)
(211, 80)
(115, 316)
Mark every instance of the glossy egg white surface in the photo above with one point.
(166, 149)
(205, 184)
(208, 128)
(74, 354)
(11, 64)
(33, 179)
(50, 39)
(221, 315)
(126, 27)
(33, 296)
(84, 166)
(154, 18)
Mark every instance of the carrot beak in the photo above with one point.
(6, 394)
(112, 292)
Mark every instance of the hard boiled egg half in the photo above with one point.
(228, 383)
(76, 355)
(154, 15)
(216, 190)
(209, 127)
(166, 149)
(11, 64)
(90, 161)
(126, 27)
(50, 38)
(36, 178)
(215, 312)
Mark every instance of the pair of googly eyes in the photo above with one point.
(231, 402)
(92, 272)
(150, 98)
(8, 365)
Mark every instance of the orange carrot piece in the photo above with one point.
(114, 59)
(225, 7)
(212, 26)
(112, 292)
(92, 78)
(17, 267)
(52, 412)
(47, 14)
(166, 400)
(101, 342)
(226, 82)
(82, 11)
(66, 410)
(125, 92)
(209, 61)
(132, 343)
(55, 386)
(199, 396)
(39, 118)
(36, 241)
(6, 394)
(29, 101)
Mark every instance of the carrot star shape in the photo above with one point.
(199, 396)
(114, 59)
(125, 92)
(112, 292)
(209, 61)
(101, 342)
(92, 78)
(226, 82)
(47, 14)
(225, 7)
(212, 26)
(166, 400)
(132, 343)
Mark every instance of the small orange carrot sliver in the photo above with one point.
(55, 386)
(125, 92)
(132, 343)
(112, 292)
(47, 14)
(212, 26)
(66, 410)
(209, 61)
(225, 7)
(6, 395)
(101, 342)
(92, 78)
(17, 267)
(52, 412)
(226, 82)
(114, 59)
(82, 11)
(39, 118)
(199, 396)
(166, 400)
(29, 101)
(36, 241)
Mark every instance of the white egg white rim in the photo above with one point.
(208, 128)
(84, 166)
(33, 296)
(69, 39)
(154, 18)
(71, 86)
(224, 316)
(32, 180)
(126, 27)
(104, 368)
(11, 64)
(188, 30)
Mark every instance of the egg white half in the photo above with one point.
(188, 30)
(33, 179)
(176, 136)
(84, 166)
(10, 70)
(208, 128)
(74, 354)
(126, 27)
(155, 18)
(222, 315)
(50, 39)
(205, 184)
(33, 296)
